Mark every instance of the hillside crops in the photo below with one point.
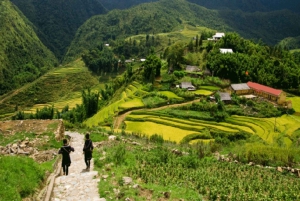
(265, 128)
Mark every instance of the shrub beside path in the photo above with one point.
(79, 184)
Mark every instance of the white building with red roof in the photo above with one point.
(272, 94)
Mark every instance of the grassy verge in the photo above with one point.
(20, 177)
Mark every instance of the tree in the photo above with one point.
(152, 67)
(174, 55)
(90, 102)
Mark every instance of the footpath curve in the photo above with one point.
(80, 184)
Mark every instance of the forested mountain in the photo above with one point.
(250, 5)
(57, 21)
(23, 57)
(271, 27)
(149, 18)
(122, 4)
(290, 43)
(166, 15)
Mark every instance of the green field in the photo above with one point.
(170, 95)
(203, 92)
(295, 103)
(262, 127)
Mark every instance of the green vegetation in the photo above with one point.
(61, 85)
(23, 58)
(57, 22)
(151, 18)
(20, 177)
(271, 66)
(189, 173)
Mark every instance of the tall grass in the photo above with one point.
(20, 176)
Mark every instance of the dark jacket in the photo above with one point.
(65, 151)
(88, 149)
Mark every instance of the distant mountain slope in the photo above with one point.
(23, 57)
(290, 43)
(122, 4)
(251, 5)
(165, 15)
(58, 20)
(158, 17)
(271, 27)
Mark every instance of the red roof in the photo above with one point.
(264, 88)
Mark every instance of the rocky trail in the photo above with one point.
(80, 184)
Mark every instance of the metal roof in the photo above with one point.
(242, 86)
(224, 96)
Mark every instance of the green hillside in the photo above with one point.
(271, 27)
(57, 21)
(290, 43)
(150, 18)
(23, 57)
(165, 16)
(59, 87)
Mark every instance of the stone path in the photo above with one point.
(79, 184)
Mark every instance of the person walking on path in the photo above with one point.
(65, 150)
(88, 150)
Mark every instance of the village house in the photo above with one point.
(240, 89)
(188, 86)
(191, 69)
(225, 51)
(269, 93)
(217, 36)
(225, 97)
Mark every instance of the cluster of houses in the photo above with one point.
(248, 90)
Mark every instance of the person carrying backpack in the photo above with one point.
(88, 150)
(65, 150)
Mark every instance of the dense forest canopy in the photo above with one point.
(165, 16)
(250, 5)
(272, 66)
(23, 57)
(57, 21)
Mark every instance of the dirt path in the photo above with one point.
(79, 184)
(119, 119)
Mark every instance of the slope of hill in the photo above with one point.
(165, 16)
(59, 87)
(250, 5)
(149, 18)
(271, 27)
(23, 57)
(290, 43)
(57, 21)
(119, 4)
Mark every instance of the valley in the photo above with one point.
(189, 100)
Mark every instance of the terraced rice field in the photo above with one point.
(263, 127)
(295, 103)
(170, 95)
(132, 103)
(203, 92)
(127, 100)
(149, 128)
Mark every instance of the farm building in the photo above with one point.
(241, 89)
(225, 51)
(217, 36)
(269, 93)
(225, 97)
(191, 69)
(188, 86)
